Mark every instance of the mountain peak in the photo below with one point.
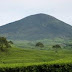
(35, 27)
(41, 14)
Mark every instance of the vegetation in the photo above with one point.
(36, 59)
(24, 60)
(10, 42)
(40, 68)
(56, 48)
(39, 44)
(4, 44)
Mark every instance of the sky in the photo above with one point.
(13, 10)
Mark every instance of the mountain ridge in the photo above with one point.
(35, 27)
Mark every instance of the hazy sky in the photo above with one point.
(12, 10)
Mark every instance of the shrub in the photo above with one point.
(40, 68)
(39, 44)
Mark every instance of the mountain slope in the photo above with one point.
(36, 27)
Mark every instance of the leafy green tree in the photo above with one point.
(39, 44)
(4, 44)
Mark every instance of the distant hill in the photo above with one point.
(36, 27)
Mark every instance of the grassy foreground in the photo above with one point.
(23, 59)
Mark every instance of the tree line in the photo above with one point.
(5, 44)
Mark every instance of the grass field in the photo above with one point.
(23, 57)
(35, 60)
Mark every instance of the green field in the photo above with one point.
(24, 56)
(15, 57)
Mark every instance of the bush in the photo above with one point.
(39, 44)
(40, 68)
(10, 42)
(57, 46)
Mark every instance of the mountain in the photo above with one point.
(36, 27)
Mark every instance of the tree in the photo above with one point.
(56, 47)
(10, 42)
(4, 44)
(39, 44)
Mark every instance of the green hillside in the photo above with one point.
(36, 27)
(19, 55)
(19, 58)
